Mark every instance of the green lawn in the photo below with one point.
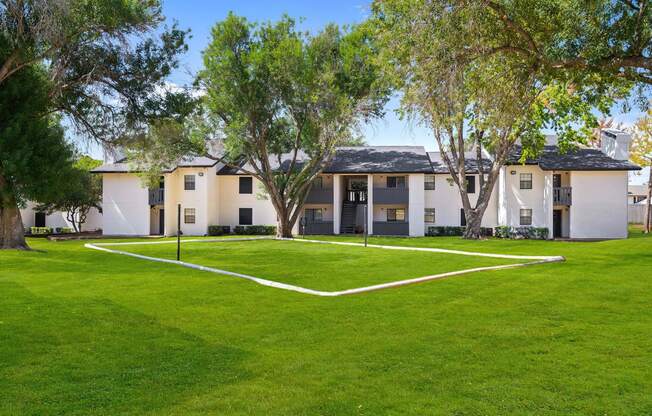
(315, 266)
(84, 332)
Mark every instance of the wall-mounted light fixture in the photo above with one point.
(201, 173)
(513, 172)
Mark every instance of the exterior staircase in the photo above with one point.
(347, 226)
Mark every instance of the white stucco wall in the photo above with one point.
(416, 204)
(58, 219)
(537, 199)
(230, 202)
(599, 208)
(446, 200)
(125, 205)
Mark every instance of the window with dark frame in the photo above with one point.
(395, 214)
(314, 215)
(429, 216)
(318, 183)
(470, 184)
(429, 183)
(246, 185)
(189, 216)
(526, 180)
(396, 181)
(189, 182)
(462, 217)
(525, 216)
(246, 216)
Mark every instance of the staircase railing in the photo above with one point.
(356, 196)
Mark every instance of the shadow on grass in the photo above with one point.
(73, 356)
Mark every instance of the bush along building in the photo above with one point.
(395, 190)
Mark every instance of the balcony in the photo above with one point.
(391, 228)
(316, 227)
(391, 195)
(320, 196)
(562, 195)
(156, 196)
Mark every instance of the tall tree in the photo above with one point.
(81, 192)
(105, 72)
(486, 75)
(281, 101)
(641, 153)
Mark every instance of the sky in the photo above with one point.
(200, 15)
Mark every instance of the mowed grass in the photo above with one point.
(90, 333)
(315, 266)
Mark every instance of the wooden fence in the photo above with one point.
(636, 213)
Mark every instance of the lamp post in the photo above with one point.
(178, 232)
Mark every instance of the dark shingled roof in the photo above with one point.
(364, 159)
(578, 159)
(470, 163)
(121, 166)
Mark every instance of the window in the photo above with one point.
(318, 183)
(189, 182)
(556, 180)
(188, 215)
(429, 216)
(161, 182)
(246, 216)
(470, 184)
(429, 183)
(395, 214)
(526, 217)
(396, 181)
(246, 185)
(526, 180)
(462, 218)
(314, 215)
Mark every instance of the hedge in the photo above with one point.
(40, 230)
(453, 231)
(520, 233)
(215, 230)
(254, 229)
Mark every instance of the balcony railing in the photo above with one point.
(320, 196)
(156, 196)
(316, 227)
(356, 196)
(391, 228)
(562, 195)
(391, 195)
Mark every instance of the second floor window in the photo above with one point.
(470, 184)
(188, 215)
(525, 216)
(246, 185)
(429, 183)
(429, 216)
(526, 180)
(396, 181)
(189, 182)
(318, 183)
(395, 214)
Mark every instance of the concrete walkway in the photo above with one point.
(265, 282)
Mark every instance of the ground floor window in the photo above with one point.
(395, 214)
(189, 215)
(526, 216)
(429, 216)
(314, 215)
(246, 216)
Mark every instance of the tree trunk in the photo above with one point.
(473, 224)
(12, 234)
(648, 202)
(283, 228)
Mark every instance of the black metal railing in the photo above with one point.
(156, 196)
(320, 196)
(356, 196)
(562, 195)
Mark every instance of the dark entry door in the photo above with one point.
(556, 180)
(39, 219)
(556, 223)
(161, 221)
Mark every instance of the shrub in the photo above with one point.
(448, 231)
(66, 230)
(520, 233)
(215, 230)
(40, 230)
(254, 229)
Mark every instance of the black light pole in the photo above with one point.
(366, 224)
(178, 232)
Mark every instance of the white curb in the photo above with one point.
(278, 285)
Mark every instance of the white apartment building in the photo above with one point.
(402, 190)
